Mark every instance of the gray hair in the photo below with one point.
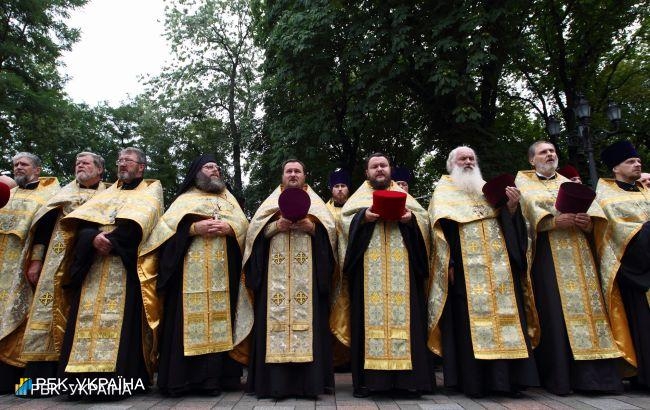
(452, 156)
(142, 158)
(533, 148)
(36, 161)
(98, 160)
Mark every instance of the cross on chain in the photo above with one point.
(301, 257)
(46, 298)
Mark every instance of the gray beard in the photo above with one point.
(126, 176)
(547, 168)
(468, 180)
(379, 185)
(22, 181)
(212, 185)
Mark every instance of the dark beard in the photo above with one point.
(379, 185)
(207, 184)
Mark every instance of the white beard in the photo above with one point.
(545, 168)
(468, 180)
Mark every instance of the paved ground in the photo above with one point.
(532, 399)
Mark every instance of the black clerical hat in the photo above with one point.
(618, 152)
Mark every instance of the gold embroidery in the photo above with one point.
(278, 258)
(301, 297)
(46, 298)
(58, 247)
(301, 257)
(278, 298)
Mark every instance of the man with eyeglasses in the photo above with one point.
(15, 290)
(105, 337)
(50, 251)
(195, 252)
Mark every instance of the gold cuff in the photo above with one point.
(193, 229)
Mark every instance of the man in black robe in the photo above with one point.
(388, 330)
(625, 257)
(105, 337)
(198, 241)
(577, 351)
(288, 267)
(48, 313)
(483, 325)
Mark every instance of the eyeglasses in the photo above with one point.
(126, 161)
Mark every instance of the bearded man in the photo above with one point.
(288, 267)
(477, 304)
(16, 294)
(624, 261)
(105, 335)
(50, 255)
(386, 266)
(576, 349)
(197, 247)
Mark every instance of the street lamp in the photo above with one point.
(583, 135)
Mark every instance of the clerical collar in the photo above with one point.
(131, 185)
(32, 185)
(93, 186)
(627, 187)
(544, 178)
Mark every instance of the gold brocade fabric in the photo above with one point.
(15, 220)
(386, 285)
(493, 313)
(586, 320)
(206, 296)
(49, 311)
(268, 210)
(101, 306)
(289, 304)
(626, 212)
(339, 324)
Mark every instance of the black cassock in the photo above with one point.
(476, 377)
(208, 373)
(130, 363)
(634, 280)
(559, 372)
(292, 379)
(421, 377)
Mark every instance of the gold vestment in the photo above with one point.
(290, 286)
(585, 317)
(491, 302)
(15, 291)
(49, 311)
(101, 305)
(387, 316)
(626, 212)
(205, 294)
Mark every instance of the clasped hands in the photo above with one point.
(372, 217)
(305, 225)
(580, 220)
(213, 227)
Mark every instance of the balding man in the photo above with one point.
(577, 351)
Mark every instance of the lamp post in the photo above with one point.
(583, 135)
